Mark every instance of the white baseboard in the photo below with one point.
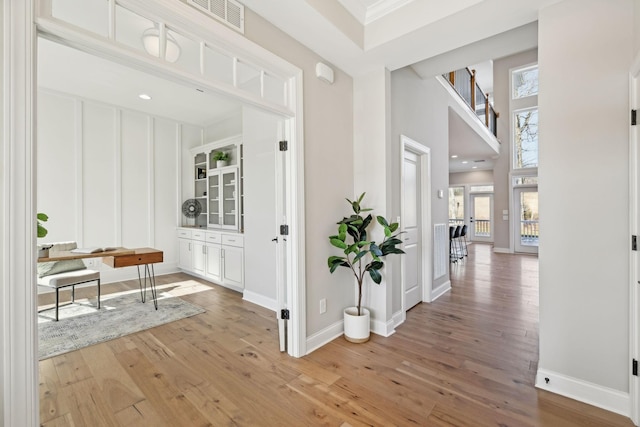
(502, 250)
(385, 329)
(584, 391)
(398, 318)
(440, 290)
(325, 336)
(260, 300)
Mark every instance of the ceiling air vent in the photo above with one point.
(228, 11)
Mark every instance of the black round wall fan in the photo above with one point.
(191, 208)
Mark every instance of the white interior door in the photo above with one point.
(412, 274)
(260, 135)
(481, 217)
(527, 231)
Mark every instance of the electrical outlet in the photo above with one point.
(323, 305)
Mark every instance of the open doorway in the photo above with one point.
(21, 305)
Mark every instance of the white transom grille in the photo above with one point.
(228, 11)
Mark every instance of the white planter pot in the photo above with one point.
(221, 163)
(356, 328)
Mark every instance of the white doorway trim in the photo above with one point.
(424, 153)
(19, 327)
(20, 405)
(634, 219)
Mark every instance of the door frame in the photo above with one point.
(19, 323)
(516, 219)
(424, 154)
(634, 219)
(471, 232)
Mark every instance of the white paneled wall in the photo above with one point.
(108, 176)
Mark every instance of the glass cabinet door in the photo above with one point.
(229, 198)
(214, 199)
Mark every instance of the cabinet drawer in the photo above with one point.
(184, 234)
(214, 237)
(233, 240)
(198, 235)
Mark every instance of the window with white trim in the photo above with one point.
(524, 117)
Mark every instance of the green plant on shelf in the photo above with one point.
(220, 155)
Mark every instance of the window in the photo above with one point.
(456, 205)
(524, 116)
(524, 82)
(481, 189)
(526, 138)
(525, 180)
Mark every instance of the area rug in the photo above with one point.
(81, 324)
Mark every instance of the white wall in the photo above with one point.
(583, 187)
(108, 176)
(420, 110)
(474, 177)
(372, 169)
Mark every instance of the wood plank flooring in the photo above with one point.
(468, 359)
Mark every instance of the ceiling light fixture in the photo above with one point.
(144, 96)
(151, 42)
(455, 156)
(464, 162)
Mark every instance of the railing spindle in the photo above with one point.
(473, 90)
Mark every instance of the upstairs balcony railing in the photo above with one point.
(464, 82)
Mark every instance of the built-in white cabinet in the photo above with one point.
(218, 184)
(213, 255)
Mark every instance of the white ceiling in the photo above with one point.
(367, 11)
(96, 78)
(472, 153)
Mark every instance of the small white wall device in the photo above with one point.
(324, 72)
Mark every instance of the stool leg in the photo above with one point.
(98, 294)
(73, 293)
(57, 302)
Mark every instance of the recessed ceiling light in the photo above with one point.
(455, 156)
(464, 162)
(474, 167)
(144, 96)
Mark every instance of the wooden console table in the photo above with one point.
(123, 257)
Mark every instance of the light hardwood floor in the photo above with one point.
(468, 359)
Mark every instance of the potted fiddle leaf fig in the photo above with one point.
(363, 257)
(43, 250)
(42, 217)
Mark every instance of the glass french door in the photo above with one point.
(481, 217)
(527, 230)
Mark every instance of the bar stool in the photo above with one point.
(463, 235)
(454, 243)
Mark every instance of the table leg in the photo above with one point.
(149, 272)
(143, 293)
(152, 283)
